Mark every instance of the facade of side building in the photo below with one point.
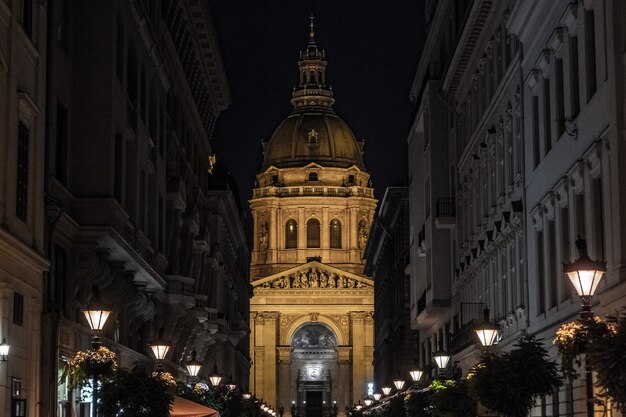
(515, 151)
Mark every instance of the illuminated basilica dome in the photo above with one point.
(313, 132)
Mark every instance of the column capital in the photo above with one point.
(284, 354)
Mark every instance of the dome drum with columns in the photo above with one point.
(312, 207)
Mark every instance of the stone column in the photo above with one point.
(301, 233)
(325, 229)
(269, 368)
(369, 347)
(343, 396)
(359, 384)
(252, 382)
(284, 379)
(353, 225)
(274, 229)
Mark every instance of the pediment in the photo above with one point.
(313, 275)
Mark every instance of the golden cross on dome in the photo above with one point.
(312, 31)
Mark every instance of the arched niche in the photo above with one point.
(314, 335)
(287, 335)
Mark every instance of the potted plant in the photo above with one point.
(417, 404)
(510, 383)
(607, 357)
(135, 393)
(85, 364)
(572, 340)
(452, 399)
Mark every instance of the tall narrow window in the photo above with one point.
(18, 308)
(565, 252)
(142, 200)
(574, 76)
(335, 234)
(143, 108)
(560, 98)
(590, 53)
(579, 200)
(27, 17)
(131, 74)
(547, 116)
(536, 141)
(313, 233)
(60, 277)
(553, 266)
(119, 50)
(291, 234)
(22, 172)
(119, 168)
(598, 219)
(61, 144)
(541, 274)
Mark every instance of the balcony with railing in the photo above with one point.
(313, 191)
(445, 213)
(131, 115)
(470, 315)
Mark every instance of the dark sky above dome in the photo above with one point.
(372, 48)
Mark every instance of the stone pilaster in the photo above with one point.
(359, 387)
(343, 386)
(284, 372)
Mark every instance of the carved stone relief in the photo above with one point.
(313, 278)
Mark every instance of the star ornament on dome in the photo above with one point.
(313, 136)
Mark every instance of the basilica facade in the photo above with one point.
(312, 332)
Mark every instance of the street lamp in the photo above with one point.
(4, 351)
(585, 274)
(368, 401)
(398, 382)
(386, 390)
(441, 358)
(487, 331)
(359, 406)
(246, 395)
(159, 348)
(377, 396)
(416, 374)
(96, 315)
(231, 384)
(215, 378)
(193, 366)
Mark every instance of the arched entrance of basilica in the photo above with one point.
(314, 371)
(313, 344)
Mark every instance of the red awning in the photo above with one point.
(186, 408)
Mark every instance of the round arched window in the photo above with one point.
(291, 234)
(335, 234)
(313, 233)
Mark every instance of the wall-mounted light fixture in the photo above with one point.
(4, 351)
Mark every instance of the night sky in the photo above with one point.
(372, 48)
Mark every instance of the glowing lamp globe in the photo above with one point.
(368, 401)
(441, 358)
(193, 366)
(215, 378)
(416, 374)
(386, 390)
(4, 350)
(160, 347)
(398, 383)
(585, 274)
(96, 318)
(377, 396)
(487, 331)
